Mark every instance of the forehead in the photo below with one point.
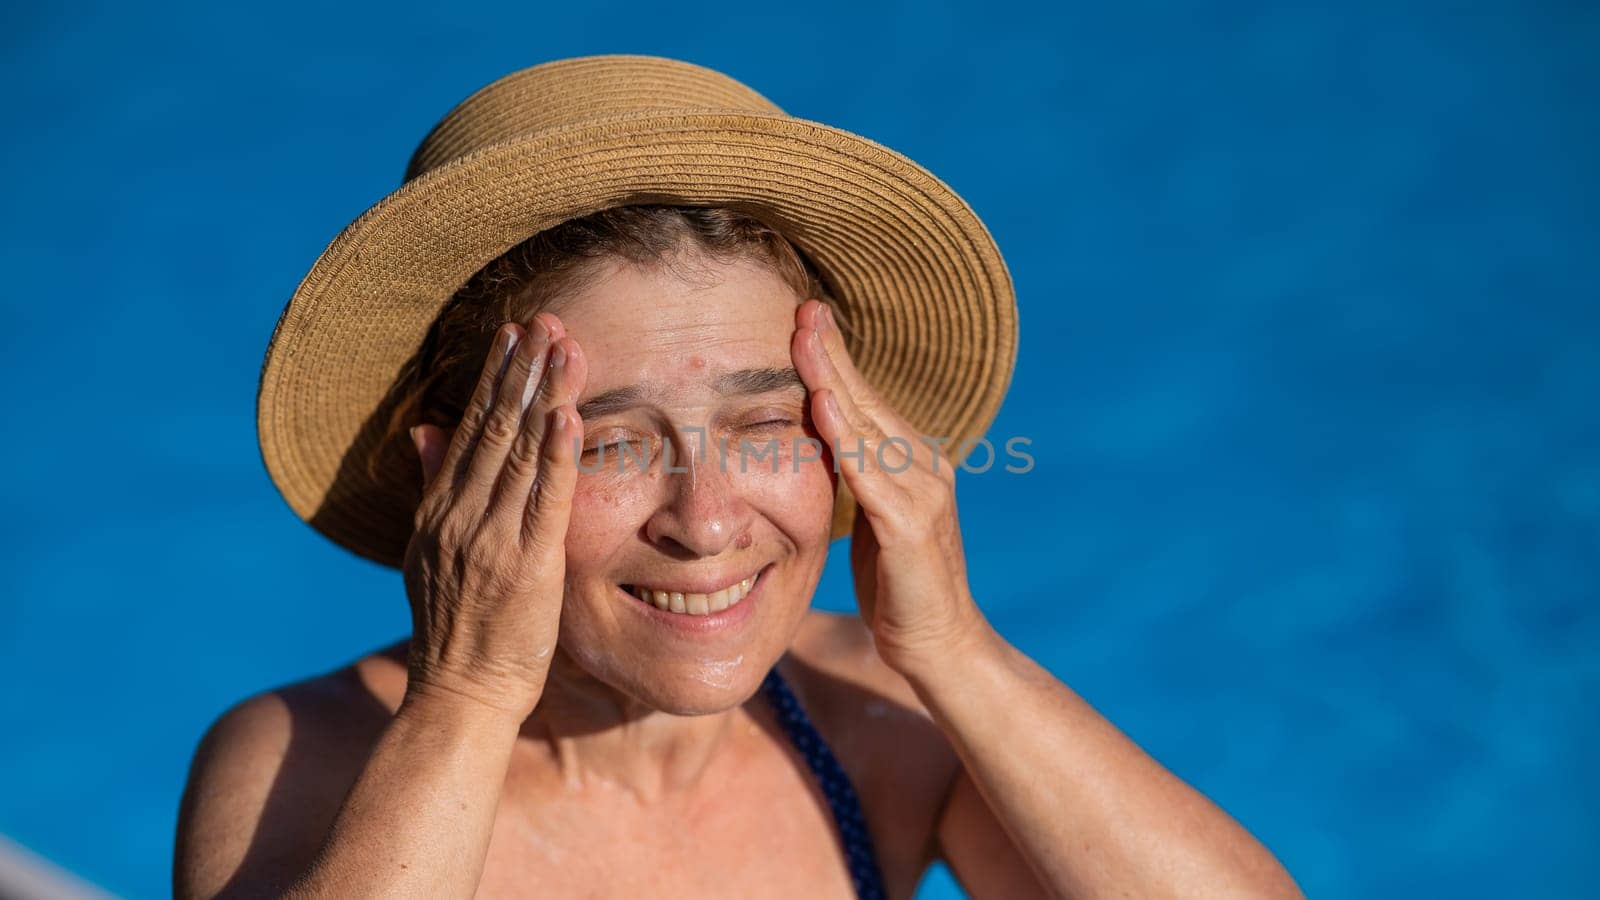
(677, 328)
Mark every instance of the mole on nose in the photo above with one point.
(696, 362)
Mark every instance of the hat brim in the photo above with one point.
(929, 301)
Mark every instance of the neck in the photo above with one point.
(594, 737)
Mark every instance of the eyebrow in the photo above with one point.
(758, 381)
(740, 383)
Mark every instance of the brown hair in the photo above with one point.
(436, 384)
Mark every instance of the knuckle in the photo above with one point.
(472, 416)
(521, 465)
(500, 428)
(478, 406)
(549, 487)
(880, 451)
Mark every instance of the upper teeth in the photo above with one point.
(696, 604)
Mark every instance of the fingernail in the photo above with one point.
(413, 432)
(827, 316)
(558, 357)
(508, 340)
(815, 340)
(538, 329)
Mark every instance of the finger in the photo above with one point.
(851, 379)
(903, 443)
(483, 397)
(504, 419)
(810, 359)
(829, 365)
(549, 508)
(825, 376)
(855, 454)
(564, 377)
(853, 436)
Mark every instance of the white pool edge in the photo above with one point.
(25, 875)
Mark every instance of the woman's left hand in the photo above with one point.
(910, 571)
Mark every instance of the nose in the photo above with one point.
(701, 512)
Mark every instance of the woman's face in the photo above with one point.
(682, 370)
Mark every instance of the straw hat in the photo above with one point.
(928, 302)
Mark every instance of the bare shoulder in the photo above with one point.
(899, 760)
(842, 680)
(267, 778)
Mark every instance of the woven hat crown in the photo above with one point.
(570, 92)
(910, 267)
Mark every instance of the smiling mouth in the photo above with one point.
(696, 604)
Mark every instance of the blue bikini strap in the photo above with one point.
(836, 786)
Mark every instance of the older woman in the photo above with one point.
(615, 684)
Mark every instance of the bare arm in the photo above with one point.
(484, 573)
(1090, 812)
(417, 821)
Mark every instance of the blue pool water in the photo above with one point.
(1308, 358)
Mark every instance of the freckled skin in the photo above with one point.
(644, 327)
(619, 783)
(645, 749)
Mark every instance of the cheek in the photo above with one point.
(799, 503)
(606, 511)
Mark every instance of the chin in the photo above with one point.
(682, 687)
(722, 690)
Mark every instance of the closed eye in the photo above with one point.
(616, 441)
(770, 424)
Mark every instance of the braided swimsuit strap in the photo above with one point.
(836, 786)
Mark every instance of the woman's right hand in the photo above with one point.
(486, 564)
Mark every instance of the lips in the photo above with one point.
(681, 597)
